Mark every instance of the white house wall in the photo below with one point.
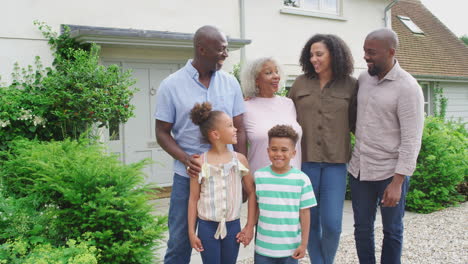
(21, 41)
(283, 35)
(457, 95)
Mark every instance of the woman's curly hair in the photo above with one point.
(203, 116)
(342, 62)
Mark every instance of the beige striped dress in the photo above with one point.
(221, 192)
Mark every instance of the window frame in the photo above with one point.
(409, 23)
(427, 85)
(319, 12)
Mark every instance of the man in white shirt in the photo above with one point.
(389, 127)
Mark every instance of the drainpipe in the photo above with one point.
(386, 11)
(242, 28)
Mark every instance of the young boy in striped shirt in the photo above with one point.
(284, 196)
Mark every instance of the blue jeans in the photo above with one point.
(329, 183)
(260, 259)
(178, 250)
(219, 251)
(366, 197)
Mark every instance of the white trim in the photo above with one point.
(120, 41)
(440, 80)
(427, 85)
(149, 61)
(140, 38)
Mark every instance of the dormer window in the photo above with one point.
(411, 25)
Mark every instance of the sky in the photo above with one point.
(453, 13)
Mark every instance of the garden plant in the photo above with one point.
(63, 198)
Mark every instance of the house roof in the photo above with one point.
(138, 37)
(437, 53)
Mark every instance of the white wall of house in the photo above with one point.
(273, 33)
(21, 41)
(457, 95)
(283, 35)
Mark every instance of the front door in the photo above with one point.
(137, 140)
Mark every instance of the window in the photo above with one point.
(323, 6)
(411, 25)
(426, 88)
(114, 130)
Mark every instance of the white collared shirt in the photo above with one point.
(390, 121)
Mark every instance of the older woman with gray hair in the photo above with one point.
(261, 79)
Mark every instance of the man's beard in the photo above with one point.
(375, 70)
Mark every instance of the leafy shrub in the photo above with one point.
(83, 93)
(21, 116)
(65, 190)
(442, 165)
(67, 100)
(23, 218)
(19, 251)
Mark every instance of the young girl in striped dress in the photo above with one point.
(216, 195)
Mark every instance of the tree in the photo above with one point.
(464, 38)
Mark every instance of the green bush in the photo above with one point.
(442, 166)
(21, 252)
(57, 191)
(67, 100)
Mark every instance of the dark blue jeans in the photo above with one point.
(366, 197)
(219, 251)
(178, 250)
(260, 259)
(329, 183)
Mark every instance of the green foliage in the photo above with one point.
(56, 191)
(464, 38)
(86, 93)
(293, 3)
(60, 44)
(19, 251)
(442, 165)
(21, 115)
(67, 100)
(348, 187)
(236, 69)
(440, 102)
(282, 92)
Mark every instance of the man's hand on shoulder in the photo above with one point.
(193, 165)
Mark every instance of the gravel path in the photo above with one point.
(439, 237)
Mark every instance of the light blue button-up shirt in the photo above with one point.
(177, 95)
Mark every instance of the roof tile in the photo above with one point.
(436, 53)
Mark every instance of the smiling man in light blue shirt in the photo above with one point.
(200, 80)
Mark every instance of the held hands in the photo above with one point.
(196, 243)
(193, 165)
(299, 252)
(245, 236)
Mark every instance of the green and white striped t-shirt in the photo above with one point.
(280, 198)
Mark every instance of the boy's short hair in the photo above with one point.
(283, 131)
